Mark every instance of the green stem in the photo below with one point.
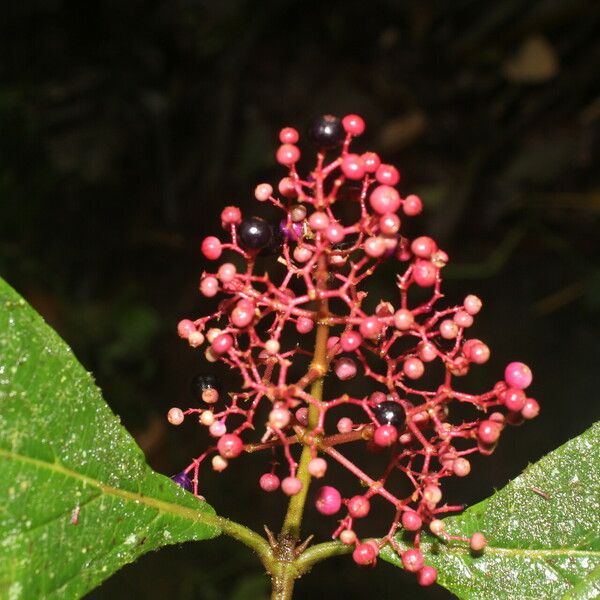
(316, 554)
(319, 366)
(249, 538)
(283, 578)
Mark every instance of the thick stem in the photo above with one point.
(283, 579)
(293, 517)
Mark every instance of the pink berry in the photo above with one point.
(211, 247)
(289, 135)
(364, 554)
(335, 233)
(287, 154)
(424, 273)
(370, 327)
(412, 560)
(207, 418)
(423, 247)
(269, 482)
(210, 395)
(209, 286)
(279, 417)
(476, 351)
(348, 537)
(385, 199)
(184, 328)
(478, 542)
(302, 416)
(387, 175)
(332, 341)
(461, 467)
(412, 205)
(219, 463)
(353, 166)
(514, 399)
(217, 429)
(350, 340)
(318, 221)
(427, 351)
(344, 425)
(345, 368)
(448, 329)
(358, 507)
(472, 304)
(222, 343)
(531, 409)
(230, 445)
(374, 247)
(353, 124)
(432, 494)
(377, 398)
(286, 188)
(427, 576)
(403, 319)
(437, 527)
(372, 161)
(518, 375)
(291, 486)
(302, 254)
(263, 191)
(304, 325)
(413, 368)
(317, 467)
(328, 501)
(175, 416)
(227, 272)
(272, 347)
(385, 435)
(498, 417)
(463, 319)
(241, 316)
(488, 432)
(231, 215)
(411, 521)
(389, 224)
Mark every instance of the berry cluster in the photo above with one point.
(338, 224)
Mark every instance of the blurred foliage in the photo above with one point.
(126, 126)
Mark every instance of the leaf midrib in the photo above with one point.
(541, 553)
(160, 505)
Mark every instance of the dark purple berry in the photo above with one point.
(200, 383)
(255, 233)
(182, 480)
(275, 244)
(326, 132)
(291, 233)
(390, 413)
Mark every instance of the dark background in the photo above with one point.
(126, 126)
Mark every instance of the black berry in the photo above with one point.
(390, 413)
(326, 132)
(255, 233)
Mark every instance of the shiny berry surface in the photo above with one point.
(390, 413)
(326, 132)
(255, 233)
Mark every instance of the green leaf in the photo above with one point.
(543, 532)
(77, 500)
